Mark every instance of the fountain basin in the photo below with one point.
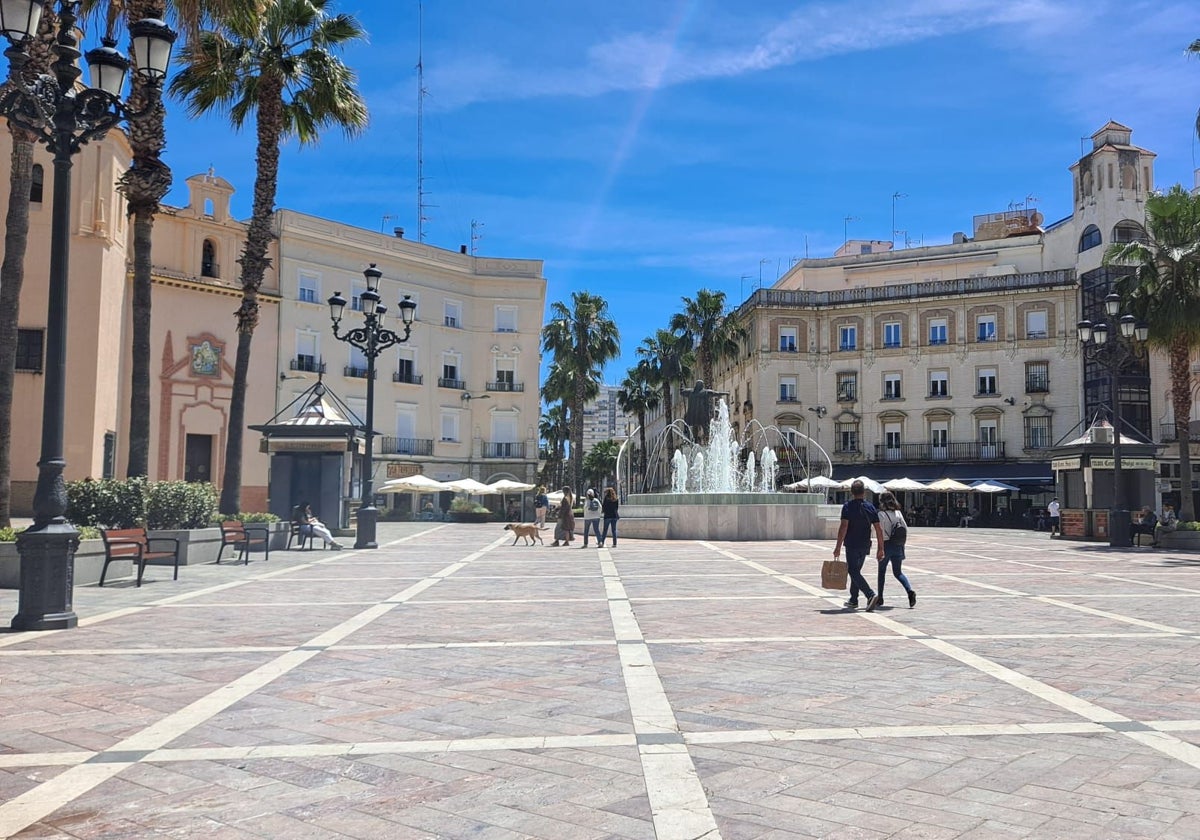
(734, 517)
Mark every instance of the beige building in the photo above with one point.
(192, 341)
(953, 360)
(460, 397)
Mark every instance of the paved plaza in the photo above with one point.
(452, 685)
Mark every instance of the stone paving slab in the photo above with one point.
(451, 685)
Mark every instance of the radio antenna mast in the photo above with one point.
(421, 93)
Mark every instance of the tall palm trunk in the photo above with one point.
(645, 459)
(12, 270)
(669, 413)
(144, 184)
(12, 275)
(1181, 408)
(254, 262)
(577, 436)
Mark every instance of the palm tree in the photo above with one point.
(667, 359)
(1164, 292)
(582, 338)
(280, 66)
(554, 430)
(16, 237)
(714, 334)
(600, 464)
(637, 395)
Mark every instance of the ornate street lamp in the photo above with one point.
(64, 118)
(1126, 346)
(372, 339)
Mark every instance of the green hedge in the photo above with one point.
(134, 502)
(85, 533)
(247, 517)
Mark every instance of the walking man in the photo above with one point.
(1053, 510)
(859, 518)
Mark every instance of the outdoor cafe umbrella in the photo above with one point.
(948, 485)
(900, 484)
(413, 484)
(988, 487)
(507, 485)
(471, 487)
(870, 483)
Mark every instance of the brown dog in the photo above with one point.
(528, 530)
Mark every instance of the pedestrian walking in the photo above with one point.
(1053, 510)
(540, 505)
(609, 508)
(859, 519)
(895, 535)
(564, 532)
(592, 515)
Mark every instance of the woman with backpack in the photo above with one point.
(895, 534)
(592, 515)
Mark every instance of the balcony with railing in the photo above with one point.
(512, 387)
(405, 446)
(1037, 384)
(307, 364)
(951, 451)
(457, 384)
(355, 371)
(493, 449)
(407, 378)
(1167, 433)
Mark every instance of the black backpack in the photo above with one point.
(899, 533)
(593, 504)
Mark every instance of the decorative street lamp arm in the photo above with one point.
(371, 338)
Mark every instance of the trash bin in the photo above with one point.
(1120, 532)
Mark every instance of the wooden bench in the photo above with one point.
(302, 533)
(134, 544)
(236, 534)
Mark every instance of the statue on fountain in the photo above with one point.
(700, 409)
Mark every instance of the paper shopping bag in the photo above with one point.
(834, 574)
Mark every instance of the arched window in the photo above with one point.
(208, 260)
(36, 182)
(1090, 239)
(1128, 231)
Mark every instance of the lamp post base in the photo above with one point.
(47, 578)
(365, 533)
(1120, 532)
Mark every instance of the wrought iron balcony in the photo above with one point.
(407, 378)
(406, 446)
(492, 449)
(307, 364)
(1167, 433)
(923, 452)
(457, 384)
(355, 371)
(514, 387)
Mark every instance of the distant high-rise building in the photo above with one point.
(603, 419)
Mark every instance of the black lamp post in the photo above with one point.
(64, 118)
(1113, 356)
(372, 339)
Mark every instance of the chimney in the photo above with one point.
(959, 237)
(398, 232)
(462, 249)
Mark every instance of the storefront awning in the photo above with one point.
(926, 472)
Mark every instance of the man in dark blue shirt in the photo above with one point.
(858, 518)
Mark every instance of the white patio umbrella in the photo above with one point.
(870, 483)
(948, 485)
(903, 484)
(994, 483)
(988, 487)
(471, 487)
(507, 485)
(413, 484)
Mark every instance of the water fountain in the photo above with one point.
(713, 497)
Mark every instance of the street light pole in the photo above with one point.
(64, 118)
(1125, 345)
(372, 338)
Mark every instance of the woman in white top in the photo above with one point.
(895, 534)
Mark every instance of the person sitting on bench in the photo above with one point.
(311, 525)
(1168, 523)
(1145, 524)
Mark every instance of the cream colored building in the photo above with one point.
(952, 360)
(460, 397)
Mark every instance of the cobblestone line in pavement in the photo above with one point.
(44, 799)
(677, 799)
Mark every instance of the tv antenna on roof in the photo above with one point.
(846, 220)
(421, 94)
(475, 235)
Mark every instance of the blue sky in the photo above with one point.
(646, 150)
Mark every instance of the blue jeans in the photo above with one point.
(591, 525)
(894, 556)
(609, 522)
(854, 562)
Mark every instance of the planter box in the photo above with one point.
(1180, 540)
